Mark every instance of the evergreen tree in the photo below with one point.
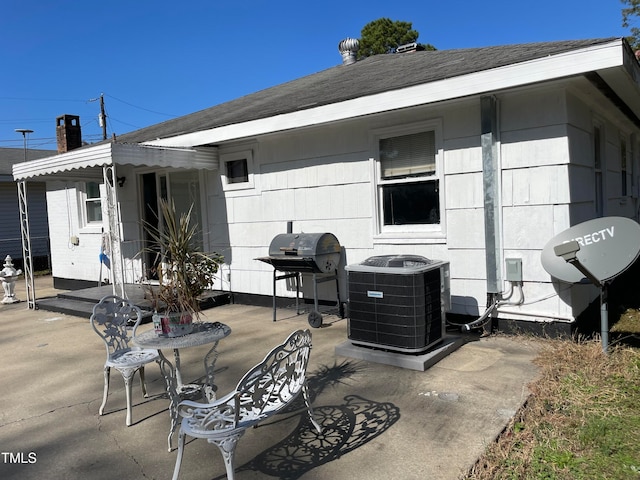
(385, 36)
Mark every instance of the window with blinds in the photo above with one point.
(409, 185)
(408, 155)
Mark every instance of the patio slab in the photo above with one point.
(380, 421)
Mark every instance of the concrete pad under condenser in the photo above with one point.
(421, 362)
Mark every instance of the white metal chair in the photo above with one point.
(262, 392)
(112, 318)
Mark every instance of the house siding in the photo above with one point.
(10, 232)
(323, 180)
(78, 262)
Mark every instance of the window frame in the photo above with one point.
(599, 167)
(625, 163)
(229, 185)
(85, 200)
(407, 232)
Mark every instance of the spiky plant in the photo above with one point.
(184, 270)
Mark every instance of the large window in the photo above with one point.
(92, 202)
(409, 185)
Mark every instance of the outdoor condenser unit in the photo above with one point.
(398, 302)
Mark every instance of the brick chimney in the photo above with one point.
(68, 133)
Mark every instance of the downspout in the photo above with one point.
(491, 186)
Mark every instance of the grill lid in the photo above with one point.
(304, 244)
(304, 252)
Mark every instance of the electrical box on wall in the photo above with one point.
(514, 269)
(74, 240)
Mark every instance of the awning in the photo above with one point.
(87, 162)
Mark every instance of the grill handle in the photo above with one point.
(289, 250)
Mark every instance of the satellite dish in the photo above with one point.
(608, 246)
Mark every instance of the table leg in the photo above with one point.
(170, 376)
(209, 390)
(176, 357)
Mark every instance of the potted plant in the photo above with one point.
(183, 269)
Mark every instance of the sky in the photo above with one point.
(154, 60)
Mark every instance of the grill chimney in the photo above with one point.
(348, 49)
(68, 134)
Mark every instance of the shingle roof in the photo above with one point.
(376, 74)
(9, 156)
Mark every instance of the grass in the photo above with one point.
(582, 420)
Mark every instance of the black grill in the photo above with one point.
(298, 253)
(304, 252)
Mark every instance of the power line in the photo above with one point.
(26, 99)
(141, 108)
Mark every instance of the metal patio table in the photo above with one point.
(202, 334)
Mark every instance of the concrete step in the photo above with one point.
(80, 303)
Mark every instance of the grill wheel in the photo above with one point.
(315, 319)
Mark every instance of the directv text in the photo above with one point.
(595, 237)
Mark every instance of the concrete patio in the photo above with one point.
(380, 422)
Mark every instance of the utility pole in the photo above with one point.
(103, 118)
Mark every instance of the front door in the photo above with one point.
(183, 187)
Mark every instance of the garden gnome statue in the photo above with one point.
(8, 277)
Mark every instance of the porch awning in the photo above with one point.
(87, 162)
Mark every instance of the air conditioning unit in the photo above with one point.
(398, 302)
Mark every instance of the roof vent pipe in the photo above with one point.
(348, 49)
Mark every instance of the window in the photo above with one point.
(237, 170)
(93, 204)
(409, 196)
(623, 166)
(598, 156)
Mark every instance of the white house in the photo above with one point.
(471, 156)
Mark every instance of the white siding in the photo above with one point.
(322, 179)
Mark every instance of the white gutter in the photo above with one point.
(542, 69)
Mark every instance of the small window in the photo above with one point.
(93, 204)
(237, 170)
(409, 183)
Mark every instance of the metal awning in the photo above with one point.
(88, 162)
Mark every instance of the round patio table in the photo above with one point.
(202, 334)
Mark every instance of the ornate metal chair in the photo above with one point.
(262, 392)
(112, 318)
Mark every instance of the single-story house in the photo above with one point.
(10, 232)
(470, 156)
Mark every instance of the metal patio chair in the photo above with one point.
(112, 319)
(263, 391)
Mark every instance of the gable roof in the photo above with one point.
(374, 85)
(11, 156)
(370, 76)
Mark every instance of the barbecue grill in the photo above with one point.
(298, 253)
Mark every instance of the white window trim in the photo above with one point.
(230, 157)
(85, 225)
(407, 234)
(602, 171)
(628, 170)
